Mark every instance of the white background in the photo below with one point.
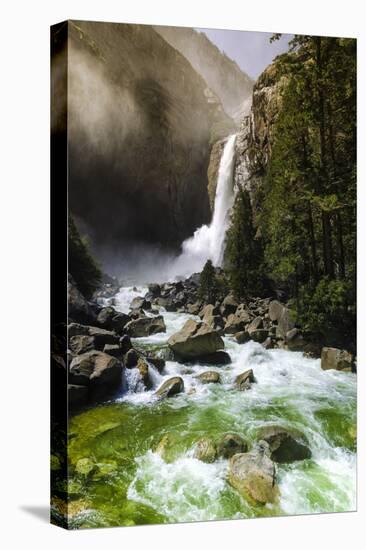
(24, 289)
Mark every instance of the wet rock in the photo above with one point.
(145, 326)
(171, 387)
(219, 358)
(157, 362)
(245, 380)
(253, 475)
(205, 451)
(230, 444)
(195, 340)
(334, 358)
(125, 343)
(143, 369)
(130, 359)
(97, 370)
(242, 337)
(209, 377)
(285, 445)
(259, 335)
(268, 343)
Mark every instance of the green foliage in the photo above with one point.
(82, 266)
(208, 289)
(243, 252)
(329, 310)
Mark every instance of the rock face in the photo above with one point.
(253, 475)
(156, 117)
(171, 387)
(100, 372)
(222, 75)
(285, 445)
(194, 340)
(334, 358)
(145, 326)
(79, 309)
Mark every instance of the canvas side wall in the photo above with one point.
(59, 419)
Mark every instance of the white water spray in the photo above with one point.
(208, 241)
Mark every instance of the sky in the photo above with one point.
(251, 50)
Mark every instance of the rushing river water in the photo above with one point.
(131, 484)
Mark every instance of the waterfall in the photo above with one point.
(208, 241)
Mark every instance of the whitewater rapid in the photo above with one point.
(291, 390)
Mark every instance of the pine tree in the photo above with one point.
(243, 254)
(208, 285)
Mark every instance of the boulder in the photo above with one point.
(256, 324)
(230, 444)
(154, 290)
(114, 350)
(170, 387)
(100, 335)
(208, 311)
(79, 309)
(194, 309)
(242, 337)
(244, 380)
(253, 475)
(236, 322)
(77, 396)
(195, 340)
(125, 343)
(275, 310)
(130, 359)
(139, 302)
(205, 451)
(97, 370)
(228, 306)
(285, 445)
(143, 368)
(209, 377)
(283, 316)
(81, 344)
(338, 359)
(286, 322)
(157, 362)
(110, 319)
(268, 343)
(259, 335)
(145, 326)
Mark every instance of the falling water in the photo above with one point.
(208, 241)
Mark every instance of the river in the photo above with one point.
(131, 484)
